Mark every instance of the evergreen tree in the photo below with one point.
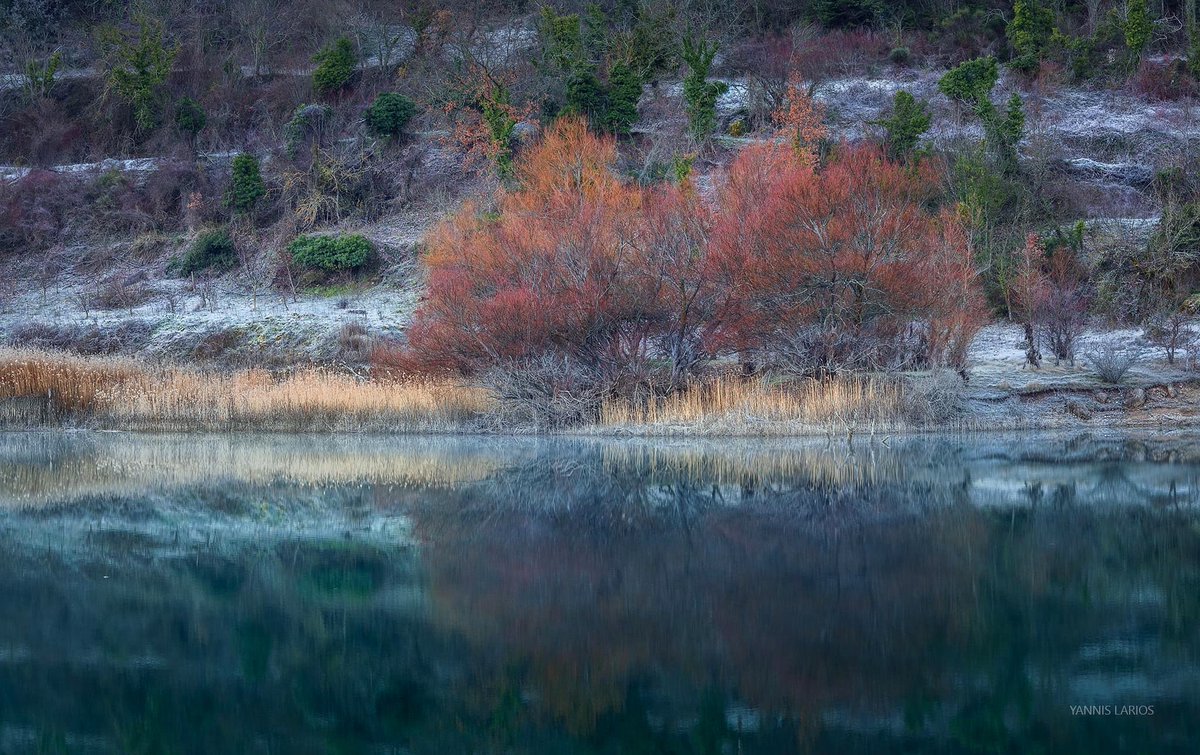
(246, 185)
(139, 66)
(971, 82)
(904, 127)
(1138, 29)
(700, 95)
(335, 66)
(624, 91)
(1029, 33)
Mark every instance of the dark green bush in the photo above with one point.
(246, 185)
(585, 96)
(332, 253)
(190, 117)
(389, 114)
(971, 82)
(904, 127)
(901, 56)
(212, 250)
(335, 66)
(624, 91)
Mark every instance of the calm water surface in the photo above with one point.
(343, 595)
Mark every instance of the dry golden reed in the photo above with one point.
(759, 406)
(125, 394)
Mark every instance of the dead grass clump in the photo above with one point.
(354, 342)
(119, 294)
(68, 383)
(126, 394)
(80, 339)
(762, 406)
(307, 401)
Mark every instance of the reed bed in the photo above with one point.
(126, 394)
(50, 388)
(760, 406)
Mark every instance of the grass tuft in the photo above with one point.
(120, 393)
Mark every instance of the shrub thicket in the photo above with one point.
(331, 253)
(212, 251)
(246, 185)
(335, 66)
(389, 114)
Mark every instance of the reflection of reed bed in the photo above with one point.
(762, 407)
(39, 468)
(125, 394)
(836, 463)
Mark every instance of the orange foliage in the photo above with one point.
(801, 119)
(839, 262)
(1029, 286)
(575, 263)
(843, 266)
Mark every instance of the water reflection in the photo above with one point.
(311, 594)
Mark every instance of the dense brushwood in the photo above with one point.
(632, 284)
(843, 265)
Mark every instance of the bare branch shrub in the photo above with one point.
(120, 293)
(1111, 361)
(546, 391)
(1171, 332)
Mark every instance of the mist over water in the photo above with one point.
(339, 594)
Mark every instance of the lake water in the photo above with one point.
(444, 595)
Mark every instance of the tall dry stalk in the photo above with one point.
(749, 406)
(125, 394)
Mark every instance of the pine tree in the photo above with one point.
(624, 91)
(700, 95)
(246, 185)
(335, 66)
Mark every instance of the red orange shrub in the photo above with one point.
(832, 266)
(559, 268)
(631, 288)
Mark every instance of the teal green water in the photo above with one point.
(266, 594)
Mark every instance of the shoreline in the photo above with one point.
(55, 390)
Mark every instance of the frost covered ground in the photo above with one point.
(234, 319)
(1003, 391)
